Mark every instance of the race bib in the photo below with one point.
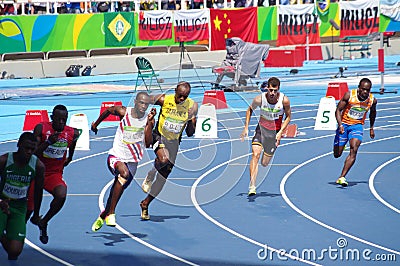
(356, 113)
(132, 135)
(270, 116)
(14, 192)
(270, 113)
(56, 150)
(173, 126)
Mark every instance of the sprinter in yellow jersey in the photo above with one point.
(178, 112)
(351, 112)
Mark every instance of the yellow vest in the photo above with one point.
(173, 117)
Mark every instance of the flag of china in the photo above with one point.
(228, 23)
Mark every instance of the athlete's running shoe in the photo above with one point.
(110, 220)
(148, 181)
(146, 185)
(97, 224)
(252, 191)
(342, 181)
(44, 238)
(145, 212)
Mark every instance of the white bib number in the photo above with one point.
(132, 135)
(15, 192)
(270, 116)
(356, 114)
(55, 152)
(172, 126)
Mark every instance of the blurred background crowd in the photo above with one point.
(9, 8)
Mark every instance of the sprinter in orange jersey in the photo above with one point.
(351, 112)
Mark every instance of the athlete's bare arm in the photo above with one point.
(191, 124)
(339, 109)
(117, 110)
(372, 116)
(256, 103)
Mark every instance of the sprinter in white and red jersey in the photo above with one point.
(55, 141)
(351, 112)
(134, 132)
(274, 107)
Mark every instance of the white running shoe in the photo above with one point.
(148, 181)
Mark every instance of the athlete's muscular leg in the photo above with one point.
(13, 248)
(255, 158)
(164, 167)
(162, 157)
(351, 158)
(59, 195)
(265, 160)
(151, 174)
(338, 150)
(117, 189)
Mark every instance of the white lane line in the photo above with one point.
(101, 207)
(172, 178)
(294, 207)
(8, 141)
(29, 243)
(212, 220)
(372, 188)
(202, 212)
(104, 190)
(150, 161)
(154, 247)
(229, 230)
(271, 164)
(379, 152)
(124, 231)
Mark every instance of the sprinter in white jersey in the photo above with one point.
(274, 106)
(134, 131)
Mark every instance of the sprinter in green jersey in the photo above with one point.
(17, 171)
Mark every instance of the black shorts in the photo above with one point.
(172, 146)
(265, 138)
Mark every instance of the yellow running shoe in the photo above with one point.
(252, 191)
(146, 185)
(110, 220)
(97, 224)
(342, 181)
(145, 212)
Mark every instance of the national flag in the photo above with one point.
(389, 20)
(322, 6)
(267, 29)
(359, 17)
(228, 23)
(191, 25)
(296, 23)
(155, 25)
(118, 29)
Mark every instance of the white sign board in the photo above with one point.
(326, 119)
(206, 126)
(80, 121)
